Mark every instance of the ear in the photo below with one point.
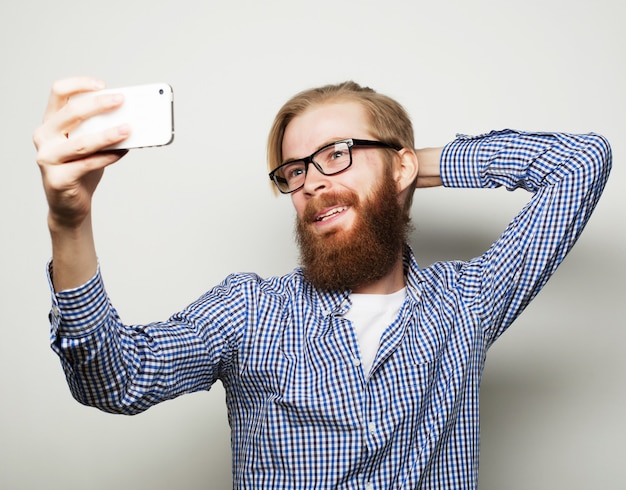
(405, 169)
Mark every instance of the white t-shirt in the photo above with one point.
(370, 315)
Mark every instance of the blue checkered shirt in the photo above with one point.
(303, 413)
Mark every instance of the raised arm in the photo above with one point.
(71, 170)
(115, 367)
(566, 174)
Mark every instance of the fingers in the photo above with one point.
(74, 175)
(58, 149)
(71, 113)
(65, 111)
(63, 89)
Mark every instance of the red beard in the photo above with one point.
(346, 260)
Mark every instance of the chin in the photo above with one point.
(334, 232)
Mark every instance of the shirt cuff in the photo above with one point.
(79, 311)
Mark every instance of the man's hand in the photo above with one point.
(71, 170)
(428, 160)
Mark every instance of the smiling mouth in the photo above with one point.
(330, 214)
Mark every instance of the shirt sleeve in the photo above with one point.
(128, 368)
(566, 174)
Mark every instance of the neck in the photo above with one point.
(392, 282)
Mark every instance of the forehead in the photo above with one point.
(323, 124)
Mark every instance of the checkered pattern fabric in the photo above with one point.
(303, 413)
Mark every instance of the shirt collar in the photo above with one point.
(338, 302)
(412, 274)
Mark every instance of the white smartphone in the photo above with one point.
(148, 109)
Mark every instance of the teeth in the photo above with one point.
(331, 213)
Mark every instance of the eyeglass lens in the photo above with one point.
(328, 160)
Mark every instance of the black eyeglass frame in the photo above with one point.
(351, 142)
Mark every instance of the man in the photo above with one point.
(358, 370)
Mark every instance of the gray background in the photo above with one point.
(172, 222)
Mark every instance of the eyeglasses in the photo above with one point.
(329, 160)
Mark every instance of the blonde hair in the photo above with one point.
(388, 120)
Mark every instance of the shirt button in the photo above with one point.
(356, 361)
(371, 427)
(55, 311)
(369, 486)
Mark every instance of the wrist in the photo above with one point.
(73, 253)
(65, 223)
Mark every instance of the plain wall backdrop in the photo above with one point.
(170, 223)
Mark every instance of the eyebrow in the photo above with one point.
(329, 142)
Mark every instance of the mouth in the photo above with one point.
(329, 214)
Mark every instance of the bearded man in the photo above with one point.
(359, 369)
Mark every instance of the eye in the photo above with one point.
(293, 171)
(338, 154)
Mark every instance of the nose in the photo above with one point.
(314, 180)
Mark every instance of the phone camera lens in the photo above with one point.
(161, 91)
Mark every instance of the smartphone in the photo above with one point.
(148, 109)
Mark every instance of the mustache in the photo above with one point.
(327, 200)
